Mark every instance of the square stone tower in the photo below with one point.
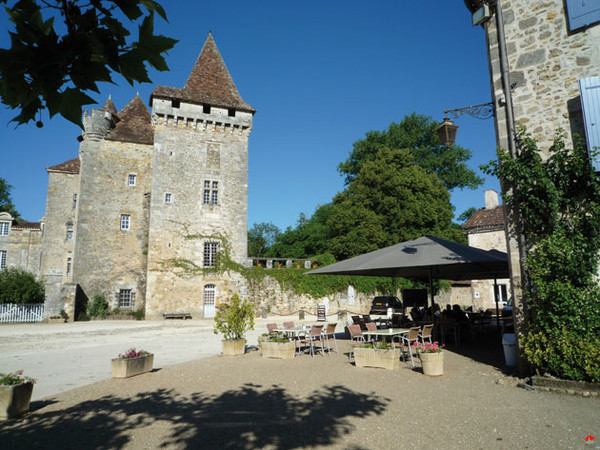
(199, 190)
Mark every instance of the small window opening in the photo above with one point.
(175, 103)
(206, 109)
(231, 112)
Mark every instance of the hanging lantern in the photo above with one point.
(447, 132)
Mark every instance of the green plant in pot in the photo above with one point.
(233, 320)
(15, 394)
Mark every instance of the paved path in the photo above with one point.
(65, 356)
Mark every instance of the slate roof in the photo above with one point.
(27, 225)
(135, 124)
(209, 83)
(486, 219)
(70, 166)
(109, 106)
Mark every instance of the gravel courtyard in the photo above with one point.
(248, 402)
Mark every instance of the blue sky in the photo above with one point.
(320, 75)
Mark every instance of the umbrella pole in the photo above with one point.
(431, 292)
(496, 299)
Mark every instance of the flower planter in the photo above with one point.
(129, 367)
(374, 357)
(14, 400)
(234, 348)
(278, 350)
(432, 363)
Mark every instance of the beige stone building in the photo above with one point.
(544, 61)
(485, 230)
(152, 200)
(20, 244)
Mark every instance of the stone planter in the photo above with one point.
(129, 367)
(374, 357)
(14, 400)
(432, 363)
(234, 348)
(278, 350)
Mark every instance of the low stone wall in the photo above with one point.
(557, 385)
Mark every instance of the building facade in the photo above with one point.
(153, 199)
(485, 230)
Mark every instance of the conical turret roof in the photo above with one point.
(209, 82)
(135, 125)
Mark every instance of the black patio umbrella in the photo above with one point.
(426, 258)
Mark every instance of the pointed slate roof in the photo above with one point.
(70, 166)
(209, 82)
(135, 125)
(109, 106)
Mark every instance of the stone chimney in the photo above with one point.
(491, 199)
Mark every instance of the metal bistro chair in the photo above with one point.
(356, 338)
(426, 333)
(406, 342)
(309, 339)
(288, 325)
(271, 327)
(329, 333)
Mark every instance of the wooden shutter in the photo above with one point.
(589, 88)
(582, 13)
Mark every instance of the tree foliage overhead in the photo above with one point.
(390, 200)
(417, 133)
(6, 204)
(559, 203)
(61, 49)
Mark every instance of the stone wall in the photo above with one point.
(546, 61)
(108, 258)
(25, 246)
(191, 148)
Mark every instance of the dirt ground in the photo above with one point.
(248, 402)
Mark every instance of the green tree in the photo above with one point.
(417, 133)
(390, 200)
(466, 214)
(309, 238)
(559, 202)
(20, 286)
(261, 237)
(6, 204)
(61, 49)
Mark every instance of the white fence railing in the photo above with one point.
(19, 313)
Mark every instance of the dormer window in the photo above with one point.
(4, 226)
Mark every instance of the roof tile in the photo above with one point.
(70, 166)
(209, 82)
(486, 219)
(135, 125)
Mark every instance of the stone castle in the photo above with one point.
(153, 197)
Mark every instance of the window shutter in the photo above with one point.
(582, 13)
(589, 89)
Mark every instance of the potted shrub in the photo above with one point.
(277, 346)
(131, 363)
(432, 358)
(15, 394)
(382, 355)
(233, 320)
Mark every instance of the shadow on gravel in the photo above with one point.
(39, 404)
(485, 348)
(249, 417)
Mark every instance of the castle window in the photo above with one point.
(206, 109)
(2, 259)
(168, 197)
(125, 297)
(210, 254)
(74, 201)
(4, 228)
(231, 112)
(69, 265)
(69, 231)
(125, 222)
(131, 179)
(211, 192)
(175, 103)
